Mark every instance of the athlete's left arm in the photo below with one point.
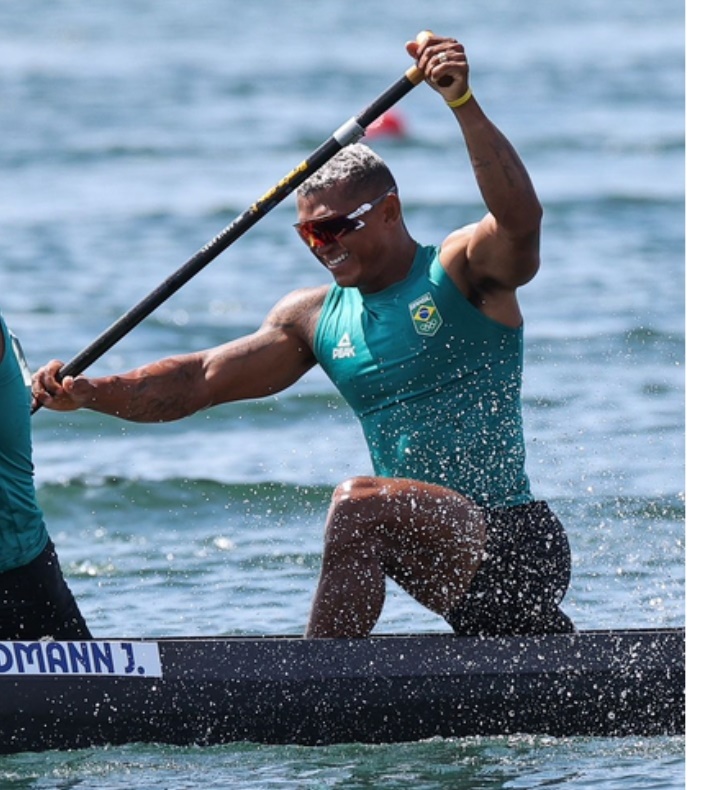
(502, 250)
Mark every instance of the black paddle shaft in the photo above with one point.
(349, 132)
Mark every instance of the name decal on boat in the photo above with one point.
(118, 659)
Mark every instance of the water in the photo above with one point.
(133, 133)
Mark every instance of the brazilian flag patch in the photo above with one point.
(425, 316)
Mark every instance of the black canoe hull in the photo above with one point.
(377, 690)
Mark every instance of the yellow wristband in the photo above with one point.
(463, 99)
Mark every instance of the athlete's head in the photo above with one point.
(357, 169)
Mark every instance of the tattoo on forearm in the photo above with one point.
(503, 158)
(154, 399)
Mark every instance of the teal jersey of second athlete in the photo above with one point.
(23, 534)
(435, 383)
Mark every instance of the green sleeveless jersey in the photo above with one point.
(23, 534)
(435, 383)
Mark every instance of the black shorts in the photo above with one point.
(523, 578)
(35, 602)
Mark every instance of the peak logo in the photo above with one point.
(345, 348)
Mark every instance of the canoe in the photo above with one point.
(289, 690)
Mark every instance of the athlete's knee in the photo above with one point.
(356, 511)
(357, 498)
(357, 488)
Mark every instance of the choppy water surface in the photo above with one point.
(133, 133)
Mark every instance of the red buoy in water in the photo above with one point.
(389, 124)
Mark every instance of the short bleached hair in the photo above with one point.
(356, 166)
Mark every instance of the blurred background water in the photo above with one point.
(134, 132)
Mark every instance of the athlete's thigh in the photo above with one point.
(432, 539)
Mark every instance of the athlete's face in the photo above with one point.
(348, 234)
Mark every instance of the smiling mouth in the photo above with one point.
(332, 263)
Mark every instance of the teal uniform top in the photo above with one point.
(435, 383)
(23, 534)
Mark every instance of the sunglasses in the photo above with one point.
(317, 233)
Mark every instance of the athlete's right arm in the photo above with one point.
(260, 364)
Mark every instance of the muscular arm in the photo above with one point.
(504, 246)
(260, 364)
(489, 259)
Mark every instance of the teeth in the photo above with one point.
(336, 261)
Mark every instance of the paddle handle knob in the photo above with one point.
(422, 37)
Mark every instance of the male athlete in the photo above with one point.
(35, 601)
(425, 344)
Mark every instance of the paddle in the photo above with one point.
(351, 131)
